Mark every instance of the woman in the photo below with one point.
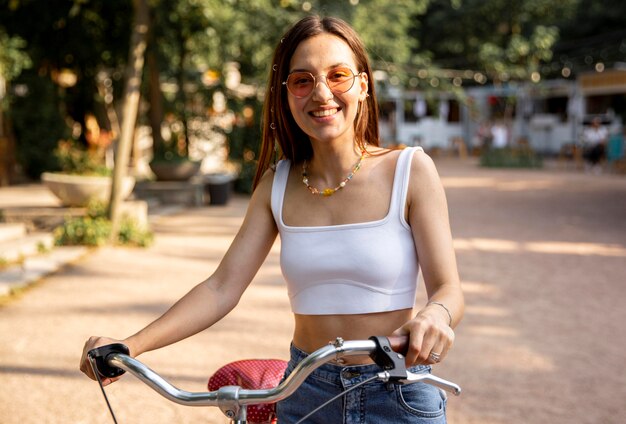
(353, 219)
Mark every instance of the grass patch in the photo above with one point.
(509, 157)
(94, 229)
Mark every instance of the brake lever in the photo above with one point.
(446, 385)
(395, 369)
(389, 360)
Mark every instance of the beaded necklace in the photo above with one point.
(327, 192)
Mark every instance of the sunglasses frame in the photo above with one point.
(316, 81)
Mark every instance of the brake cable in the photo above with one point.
(345, 392)
(391, 362)
(92, 362)
(100, 367)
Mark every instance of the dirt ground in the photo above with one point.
(542, 257)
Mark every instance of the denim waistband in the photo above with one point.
(345, 375)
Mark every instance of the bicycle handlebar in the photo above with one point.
(231, 398)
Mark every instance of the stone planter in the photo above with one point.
(174, 171)
(79, 190)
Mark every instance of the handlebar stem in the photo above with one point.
(228, 402)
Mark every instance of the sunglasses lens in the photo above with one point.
(340, 80)
(300, 84)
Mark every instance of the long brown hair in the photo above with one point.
(281, 135)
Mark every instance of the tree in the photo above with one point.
(75, 39)
(13, 60)
(134, 71)
(175, 26)
(594, 34)
(498, 40)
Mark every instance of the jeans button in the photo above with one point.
(347, 374)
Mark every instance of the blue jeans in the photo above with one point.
(374, 402)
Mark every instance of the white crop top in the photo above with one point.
(355, 268)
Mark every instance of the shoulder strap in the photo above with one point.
(402, 177)
(278, 189)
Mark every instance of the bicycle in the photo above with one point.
(233, 400)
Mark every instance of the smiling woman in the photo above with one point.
(325, 106)
(353, 219)
(342, 52)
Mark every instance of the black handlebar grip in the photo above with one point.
(101, 355)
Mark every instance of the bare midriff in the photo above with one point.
(314, 331)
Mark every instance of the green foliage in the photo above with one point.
(595, 30)
(13, 58)
(79, 35)
(74, 158)
(243, 141)
(83, 37)
(42, 248)
(521, 56)
(196, 38)
(131, 234)
(94, 229)
(37, 122)
(519, 157)
(174, 149)
(384, 28)
(503, 39)
(85, 231)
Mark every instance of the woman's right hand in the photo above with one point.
(85, 366)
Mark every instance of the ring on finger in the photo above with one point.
(436, 357)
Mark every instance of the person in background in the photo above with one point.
(594, 144)
(499, 135)
(357, 223)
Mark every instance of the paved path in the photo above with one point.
(542, 256)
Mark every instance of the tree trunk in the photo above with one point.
(183, 149)
(155, 99)
(134, 70)
(7, 142)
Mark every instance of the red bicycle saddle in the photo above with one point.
(252, 374)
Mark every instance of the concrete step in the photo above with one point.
(40, 218)
(18, 249)
(11, 231)
(21, 275)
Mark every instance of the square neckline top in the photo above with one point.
(354, 268)
(397, 201)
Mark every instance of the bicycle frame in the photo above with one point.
(113, 360)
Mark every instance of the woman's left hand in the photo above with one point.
(430, 337)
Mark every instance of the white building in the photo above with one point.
(546, 115)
